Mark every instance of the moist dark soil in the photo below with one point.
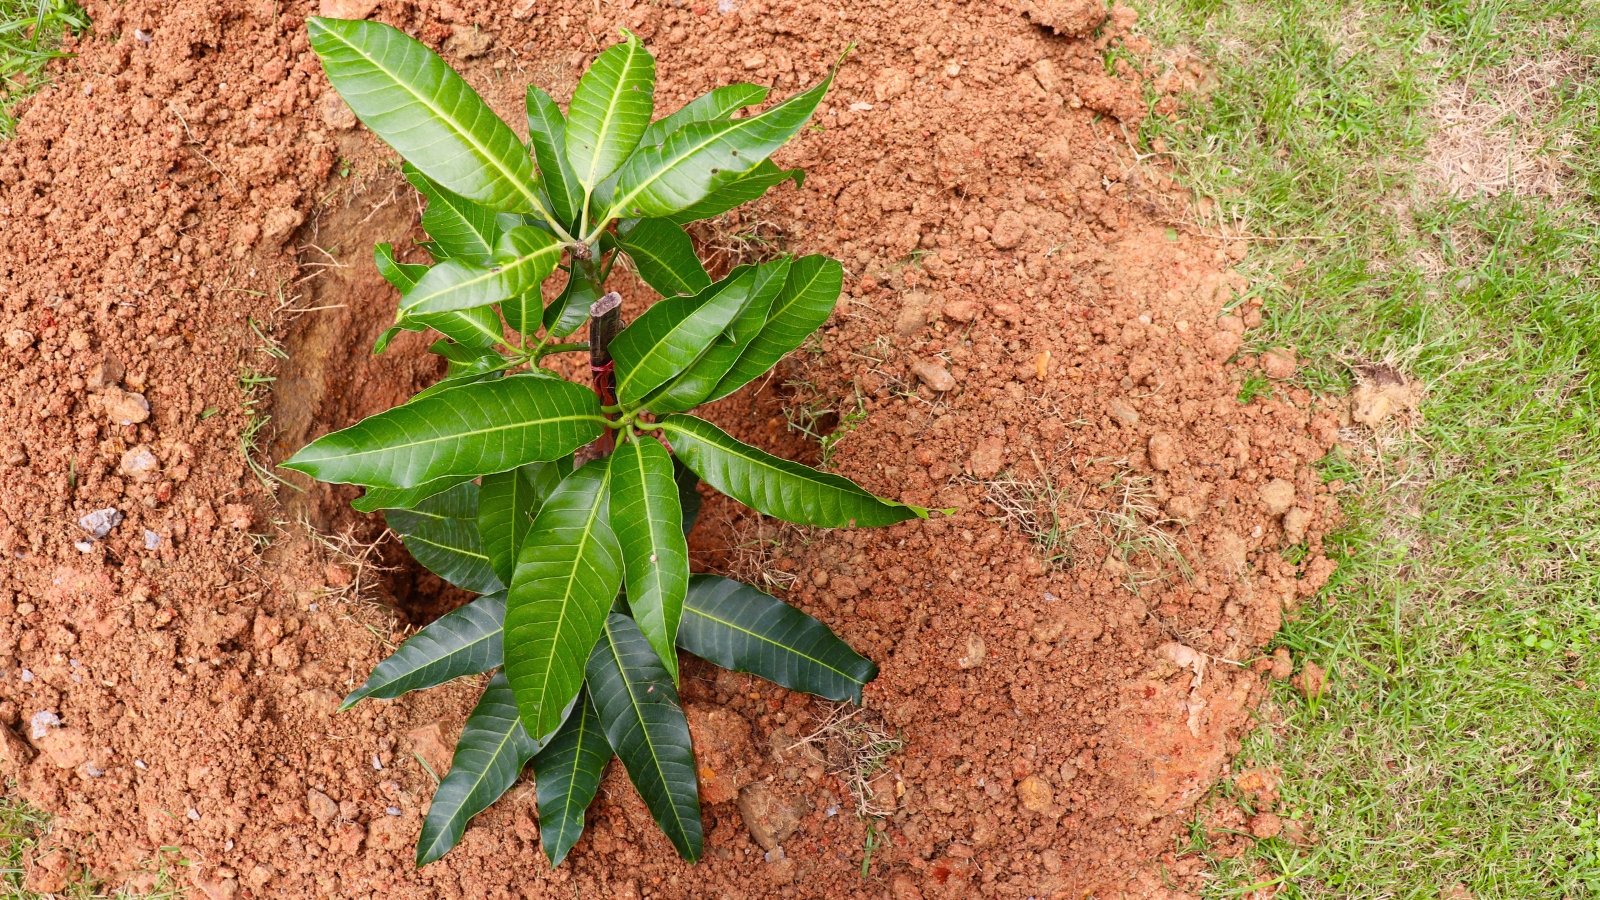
(1030, 335)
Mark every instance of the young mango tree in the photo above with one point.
(581, 558)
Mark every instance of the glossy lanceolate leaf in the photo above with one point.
(655, 556)
(474, 429)
(672, 334)
(738, 192)
(458, 227)
(476, 328)
(404, 498)
(807, 299)
(489, 756)
(566, 578)
(410, 98)
(695, 384)
(645, 725)
(740, 628)
(567, 772)
(465, 641)
(701, 157)
(718, 103)
(778, 487)
(664, 256)
(570, 310)
(524, 257)
(610, 109)
(506, 504)
(547, 132)
(442, 534)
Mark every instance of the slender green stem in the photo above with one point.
(542, 351)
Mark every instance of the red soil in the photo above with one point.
(1017, 309)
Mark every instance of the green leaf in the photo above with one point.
(689, 499)
(664, 256)
(474, 429)
(778, 487)
(547, 132)
(465, 641)
(655, 556)
(442, 535)
(570, 310)
(460, 228)
(610, 109)
(737, 627)
(566, 578)
(806, 301)
(567, 772)
(638, 707)
(702, 157)
(524, 257)
(466, 364)
(719, 103)
(739, 192)
(404, 498)
(691, 388)
(475, 328)
(489, 756)
(425, 111)
(672, 334)
(506, 506)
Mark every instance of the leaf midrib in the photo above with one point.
(460, 435)
(572, 576)
(690, 608)
(483, 773)
(638, 715)
(440, 115)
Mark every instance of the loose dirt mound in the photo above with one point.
(1022, 338)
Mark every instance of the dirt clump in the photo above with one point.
(175, 219)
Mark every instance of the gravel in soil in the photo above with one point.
(1025, 338)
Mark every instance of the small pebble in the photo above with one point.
(194, 815)
(27, 676)
(93, 771)
(377, 763)
(84, 546)
(934, 375)
(142, 36)
(393, 810)
(141, 764)
(100, 522)
(151, 539)
(41, 722)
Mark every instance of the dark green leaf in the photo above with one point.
(778, 487)
(474, 429)
(672, 334)
(664, 256)
(441, 533)
(719, 103)
(689, 499)
(475, 327)
(740, 628)
(489, 757)
(524, 257)
(467, 364)
(691, 388)
(571, 309)
(506, 505)
(702, 157)
(547, 131)
(567, 772)
(566, 578)
(610, 109)
(737, 193)
(649, 526)
(460, 228)
(638, 707)
(465, 641)
(806, 301)
(411, 99)
(404, 498)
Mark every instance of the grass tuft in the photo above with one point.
(1455, 753)
(31, 32)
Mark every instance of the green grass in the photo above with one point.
(1460, 741)
(21, 827)
(30, 36)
